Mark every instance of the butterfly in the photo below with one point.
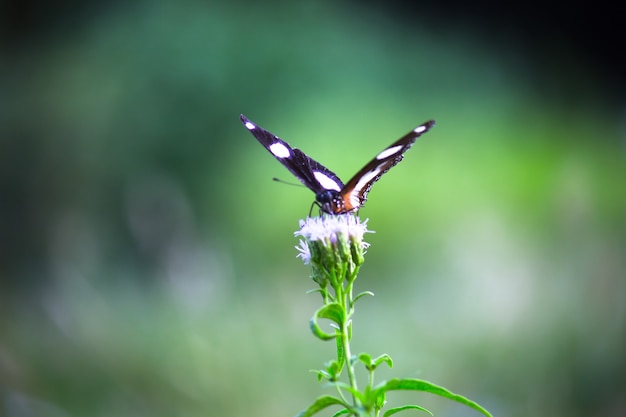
(332, 195)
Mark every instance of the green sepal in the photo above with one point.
(395, 410)
(320, 404)
(318, 272)
(421, 385)
(333, 312)
(357, 252)
(343, 249)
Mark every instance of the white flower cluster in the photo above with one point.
(330, 229)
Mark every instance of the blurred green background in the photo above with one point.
(146, 258)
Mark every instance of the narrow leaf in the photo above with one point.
(395, 410)
(333, 312)
(321, 374)
(361, 294)
(333, 370)
(341, 355)
(421, 385)
(383, 358)
(317, 331)
(366, 359)
(320, 404)
(345, 386)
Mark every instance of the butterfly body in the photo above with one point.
(331, 201)
(331, 195)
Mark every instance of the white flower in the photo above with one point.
(305, 253)
(328, 228)
(330, 232)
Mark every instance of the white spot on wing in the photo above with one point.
(326, 181)
(388, 152)
(279, 150)
(250, 125)
(419, 129)
(365, 179)
(355, 201)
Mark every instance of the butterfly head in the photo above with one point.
(332, 202)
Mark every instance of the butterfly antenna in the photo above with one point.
(286, 182)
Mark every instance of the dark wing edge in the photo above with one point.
(296, 161)
(354, 193)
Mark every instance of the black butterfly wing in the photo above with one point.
(354, 193)
(310, 172)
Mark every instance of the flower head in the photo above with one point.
(333, 246)
(331, 227)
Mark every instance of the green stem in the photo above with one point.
(347, 304)
(348, 355)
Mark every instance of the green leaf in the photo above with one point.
(380, 398)
(340, 385)
(395, 410)
(320, 404)
(341, 354)
(372, 364)
(342, 412)
(383, 358)
(321, 374)
(317, 331)
(333, 370)
(333, 312)
(361, 294)
(366, 359)
(421, 385)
